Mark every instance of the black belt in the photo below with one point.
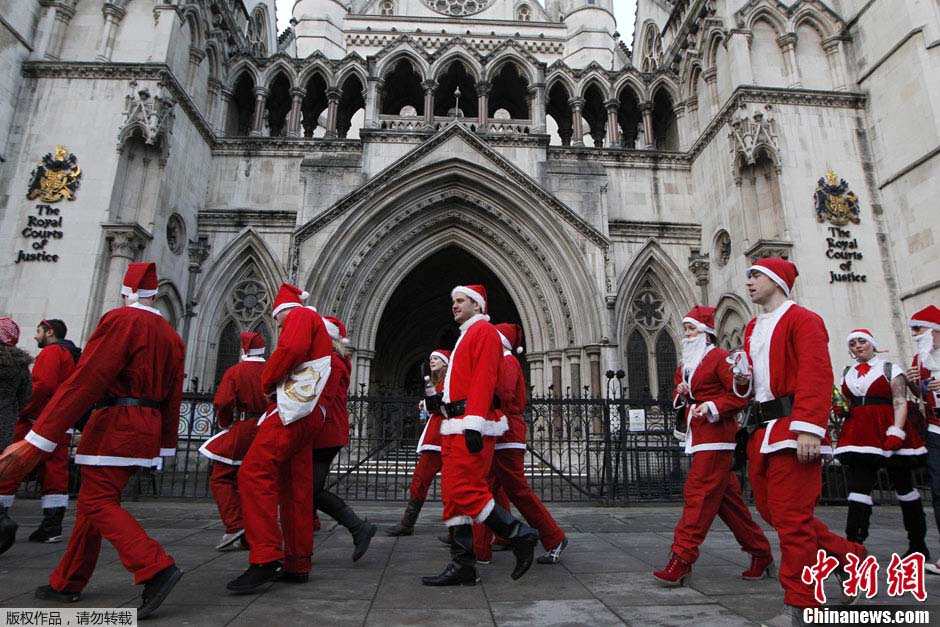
(454, 409)
(773, 410)
(247, 415)
(862, 401)
(125, 401)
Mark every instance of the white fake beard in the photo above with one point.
(928, 356)
(693, 349)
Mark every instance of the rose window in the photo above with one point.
(249, 300)
(457, 8)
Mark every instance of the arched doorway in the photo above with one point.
(417, 318)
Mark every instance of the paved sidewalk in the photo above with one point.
(604, 578)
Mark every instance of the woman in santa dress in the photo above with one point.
(877, 434)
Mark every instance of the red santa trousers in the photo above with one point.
(429, 464)
(98, 513)
(785, 492)
(465, 487)
(483, 536)
(224, 485)
(277, 474)
(53, 471)
(711, 489)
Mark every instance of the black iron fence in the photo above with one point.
(611, 451)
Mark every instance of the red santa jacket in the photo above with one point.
(430, 440)
(798, 365)
(238, 392)
(712, 385)
(931, 400)
(52, 367)
(511, 392)
(303, 338)
(471, 377)
(133, 353)
(335, 431)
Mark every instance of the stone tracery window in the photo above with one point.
(257, 34)
(248, 300)
(247, 308)
(651, 355)
(457, 8)
(387, 8)
(523, 13)
(653, 49)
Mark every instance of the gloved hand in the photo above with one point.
(894, 438)
(474, 440)
(17, 460)
(433, 403)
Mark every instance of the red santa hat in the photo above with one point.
(140, 281)
(862, 334)
(702, 318)
(252, 343)
(288, 296)
(928, 317)
(511, 336)
(476, 293)
(442, 354)
(9, 332)
(779, 270)
(336, 329)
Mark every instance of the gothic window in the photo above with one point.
(387, 8)
(648, 307)
(666, 363)
(651, 356)
(229, 350)
(257, 34)
(653, 49)
(523, 13)
(247, 308)
(249, 300)
(665, 126)
(456, 8)
(638, 373)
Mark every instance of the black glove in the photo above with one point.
(474, 440)
(433, 403)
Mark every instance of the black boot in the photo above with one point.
(461, 571)
(8, 529)
(50, 529)
(407, 525)
(915, 523)
(447, 539)
(857, 521)
(156, 590)
(48, 593)
(521, 537)
(256, 576)
(361, 529)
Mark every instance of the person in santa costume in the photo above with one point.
(276, 477)
(923, 379)
(429, 448)
(786, 369)
(132, 373)
(469, 432)
(877, 433)
(239, 403)
(54, 363)
(507, 475)
(335, 435)
(704, 388)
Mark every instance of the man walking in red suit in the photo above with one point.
(508, 471)
(132, 372)
(469, 429)
(791, 379)
(276, 478)
(704, 388)
(55, 362)
(239, 403)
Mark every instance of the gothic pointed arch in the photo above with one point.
(458, 50)
(731, 316)
(169, 303)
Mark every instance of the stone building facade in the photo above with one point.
(379, 151)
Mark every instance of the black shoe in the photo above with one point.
(8, 529)
(50, 529)
(156, 590)
(454, 575)
(48, 593)
(256, 576)
(288, 577)
(362, 537)
(521, 537)
(501, 546)
(553, 555)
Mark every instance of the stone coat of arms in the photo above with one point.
(834, 201)
(55, 177)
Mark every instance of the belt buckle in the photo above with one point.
(444, 410)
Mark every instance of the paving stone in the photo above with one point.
(676, 615)
(553, 613)
(431, 618)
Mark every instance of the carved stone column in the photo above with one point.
(483, 104)
(293, 121)
(739, 56)
(113, 11)
(536, 363)
(836, 58)
(573, 355)
(332, 98)
(198, 249)
(554, 360)
(430, 86)
(787, 43)
(613, 122)
(373, 102)
(125, 243)
(577, 122)
(691, 108)
(226, 95)
(64, 11)
(213, 87)
(710, 76)
(257, 120)
(698, 266)
(537, 107)
(646, 108)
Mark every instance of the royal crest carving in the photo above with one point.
(56, 177)
(834, 201)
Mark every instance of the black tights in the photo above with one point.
(861, 477)
(326, 502)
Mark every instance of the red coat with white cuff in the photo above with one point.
(511, 392)
(799, 368)
(335, 431)
(133, 353)
(931, 400)
(54, 364)
(431, 436)
(711, 384)
(479, 345)
(239, 391)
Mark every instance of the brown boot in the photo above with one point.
(406, 527)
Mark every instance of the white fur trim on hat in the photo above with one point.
(440, 356)
(506, 344)
(133, 296)
(284, 306)
(255, 351)
(923, 323)
(699, 325)
(474, 295)
(333, 330)
(858, 335)
(773, 276)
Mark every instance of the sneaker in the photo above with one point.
(553, 555)
(932, 568)
(229, 539)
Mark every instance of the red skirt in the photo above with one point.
(865, 430)
(431, 436)
(231, 445)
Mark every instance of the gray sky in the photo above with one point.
(624, 11)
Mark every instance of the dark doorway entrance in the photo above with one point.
(417, 318)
